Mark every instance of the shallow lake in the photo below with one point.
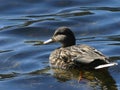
(25, 66)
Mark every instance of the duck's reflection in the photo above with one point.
(96, 78)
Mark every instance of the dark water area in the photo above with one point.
(24, 66)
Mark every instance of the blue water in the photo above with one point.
(24, 66)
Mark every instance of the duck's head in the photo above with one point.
(63, 35)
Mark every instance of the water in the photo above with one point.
(24, 66)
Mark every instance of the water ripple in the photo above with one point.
(27, 22)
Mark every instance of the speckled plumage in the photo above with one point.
(76, 55)
(71, 55)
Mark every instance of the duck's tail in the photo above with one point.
(106, 65)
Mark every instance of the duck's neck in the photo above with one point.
(68, 44)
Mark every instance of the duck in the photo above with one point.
(70, 55)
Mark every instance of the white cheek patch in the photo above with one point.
(60, 38)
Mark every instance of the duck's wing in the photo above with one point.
(86, 54)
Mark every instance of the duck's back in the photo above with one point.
(76, 55)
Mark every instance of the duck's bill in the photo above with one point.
(106, 65)
(48, 41)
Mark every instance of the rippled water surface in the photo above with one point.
(24, 66)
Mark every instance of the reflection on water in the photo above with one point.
(92, 80)
(97, 79)
(25, 24)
